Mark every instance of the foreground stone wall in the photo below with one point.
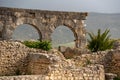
(59, 69)
(93, 72)
(113, 63)
(13, 57)
(110, 59)
(89, 73)
(17, 59)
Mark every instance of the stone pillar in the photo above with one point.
(6, 33)
(1, 29)
(77, 43)
(81, 34)
(46, 35)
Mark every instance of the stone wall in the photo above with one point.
(113, 63)
(35, 64)
(72, 52)
(82, 57)
(13, 57)
(110, 59)
(88, 73)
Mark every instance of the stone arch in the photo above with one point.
(30, 28)
(44, 21)
(29, 21)
(67, 23)
(72, 29)
(66, 28)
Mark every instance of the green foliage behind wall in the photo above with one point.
(100, 42)
(45, 45)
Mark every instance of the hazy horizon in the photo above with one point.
(99, 6)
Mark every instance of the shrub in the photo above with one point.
(100, 42)
(45, 45)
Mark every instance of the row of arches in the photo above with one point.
(62, 35)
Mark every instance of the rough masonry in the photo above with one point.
(18, 62)
(45, 23)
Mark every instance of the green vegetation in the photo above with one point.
(45, 45)
(100, 42)
(70, 44)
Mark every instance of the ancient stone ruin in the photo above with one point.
(34, 64)
(18, 62)
(44, 21)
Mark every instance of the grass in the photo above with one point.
(70, 44)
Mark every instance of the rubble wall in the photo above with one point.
(34, 64)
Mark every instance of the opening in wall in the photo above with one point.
(26, 32)
(63, 36)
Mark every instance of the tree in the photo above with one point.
(100, 42)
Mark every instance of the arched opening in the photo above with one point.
(63, 36)
(26, 32)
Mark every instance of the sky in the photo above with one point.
(102, 6)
